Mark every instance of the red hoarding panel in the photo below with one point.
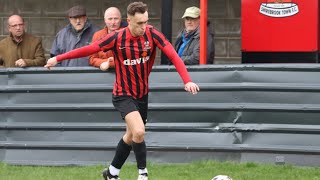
(279, 25)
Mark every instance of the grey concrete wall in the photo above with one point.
(45, 18)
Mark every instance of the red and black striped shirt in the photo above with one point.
(134, 58)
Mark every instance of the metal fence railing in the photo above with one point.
(264, 113)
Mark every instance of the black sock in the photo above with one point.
(122, 153)
(140, 151)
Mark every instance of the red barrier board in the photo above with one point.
(280, 25)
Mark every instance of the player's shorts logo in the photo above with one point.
(279, 8)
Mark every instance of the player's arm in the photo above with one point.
(168, 49)
(181, 68)
(76, 53)
(106, 43)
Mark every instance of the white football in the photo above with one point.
(222, 177)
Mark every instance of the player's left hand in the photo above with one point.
(191, 87)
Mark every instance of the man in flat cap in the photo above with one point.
(188, 41)
(76, 34)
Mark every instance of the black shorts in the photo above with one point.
(128, 104)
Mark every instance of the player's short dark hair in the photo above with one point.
(136, 7)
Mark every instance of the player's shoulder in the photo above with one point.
(120, 31)
(150, 26)
(151, 29)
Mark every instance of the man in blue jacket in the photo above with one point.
(77, 33)
(188, 40)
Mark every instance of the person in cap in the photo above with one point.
(113, 21)
(77, 33)
(20, 49)
(188, 40)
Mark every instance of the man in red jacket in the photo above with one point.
(135, 51)
(112, 19)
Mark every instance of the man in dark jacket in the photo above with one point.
(77, 33)
(188, 41)
(20, 49)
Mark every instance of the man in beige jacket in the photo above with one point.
(20, 49)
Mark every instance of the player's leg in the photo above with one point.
(141, 163)
(136, 126)
(122, 153)
(124, 105)
(135, 114)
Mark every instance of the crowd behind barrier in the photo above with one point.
(80, 31)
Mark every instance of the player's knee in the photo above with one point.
(128, 138)
(139, 134)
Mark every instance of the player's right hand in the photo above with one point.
(51, 62)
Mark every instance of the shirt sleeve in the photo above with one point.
(105, 43)
(79, 52)
(166, 47)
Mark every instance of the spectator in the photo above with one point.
(20, 49)
(105, 60)
(188, 40)
(76, 34)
